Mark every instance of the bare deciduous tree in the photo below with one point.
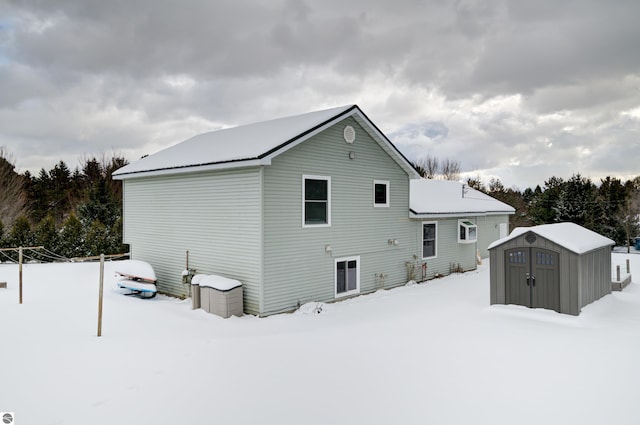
(428, 167)
(12, 195)
(450, 169)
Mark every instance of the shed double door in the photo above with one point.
(532, 278)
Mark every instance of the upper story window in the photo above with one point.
(467, 232)
(316, 201)
(429, 239)
(380, 193)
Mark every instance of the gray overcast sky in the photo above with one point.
(520, 90)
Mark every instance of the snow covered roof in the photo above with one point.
(444, 198)
(252, 144)
(569, 235)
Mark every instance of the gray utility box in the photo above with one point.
(221, 296)
(195, 296)
(222, 303)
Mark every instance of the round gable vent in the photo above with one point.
(349, 134)
(531, 237)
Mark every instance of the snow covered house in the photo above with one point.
(560, 266)
(313, 207)
(463, 221)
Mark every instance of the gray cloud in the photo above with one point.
(514, 89)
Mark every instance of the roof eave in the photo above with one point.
(242, 163)
(456, 214)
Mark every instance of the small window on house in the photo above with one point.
(347, 276)
(316, 201)
(429, 242)
(380, 193)
(468, 232)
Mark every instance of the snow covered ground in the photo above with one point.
(434, 353)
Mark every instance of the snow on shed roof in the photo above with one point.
(252, 144)
(440, 198)
(569, 235)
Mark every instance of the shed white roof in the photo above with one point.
(569, 235)
(440, 198)
(246, 145)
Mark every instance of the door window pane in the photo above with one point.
(428, 240)
(347, 276)
(341, 277)
(352, 276)
(517, 257)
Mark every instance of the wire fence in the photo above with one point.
(40, 254)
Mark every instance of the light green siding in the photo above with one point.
(450, 255)
(297, 269)
(489, 231)
(216, 216)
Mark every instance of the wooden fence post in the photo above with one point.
(20, 271)
(628, 267)
(100, 295)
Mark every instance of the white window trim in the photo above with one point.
(335, 277)
(435, 250)
(312, 177)
(386, 183)
(466, 231)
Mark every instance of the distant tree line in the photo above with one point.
(71, 213)
(611, 208)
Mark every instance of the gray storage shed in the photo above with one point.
(560, 267)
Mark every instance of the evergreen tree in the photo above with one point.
(38, 194)
(20, 234)
(59, 191)
(72, 238)
(542, 209)
(97, 239)
(612, 197)
(115, 239)
(46, 234)
(100, 206)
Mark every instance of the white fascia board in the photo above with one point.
(500, 212)
(195, 169)
(457, 214)
(446, 215)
